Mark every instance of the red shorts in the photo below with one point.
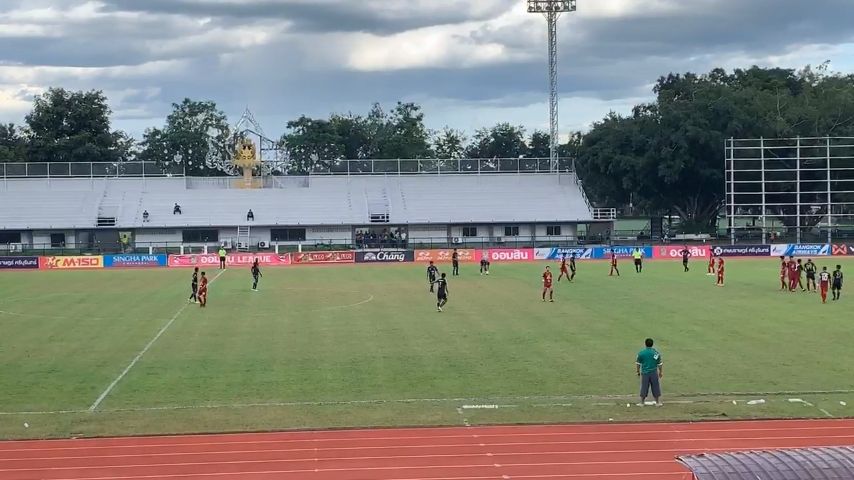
(563, 270)
(547, 285)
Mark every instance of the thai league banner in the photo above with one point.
(622, 252)
(386, 256)
(510, 254)
(135, 261)
(674, 252)
(742, 250)
(19, 263)
(557, 253)
(323, 257)
(800, 250)
(71, 262)
(232, 259)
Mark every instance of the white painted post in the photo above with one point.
(182, 249)
(798, 193)
(762, 159)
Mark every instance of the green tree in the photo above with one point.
(404, 134)
(66, 126)
(539, 146)
(449, 144)
(501, 141)
(196, 137)
(13, 145)
(313, 144)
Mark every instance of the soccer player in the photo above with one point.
(824, 282)
(837, 282)
(432, 273)
(455, 263)
(484, 264)
(720, 281)
(793, 274)
(784, 273)
(614, 264)
(222, 254)
(547, 285)
(564, 271)
(572, 267)
(686, 254)
(442, 293)
(650, 369)
(810, 268)
(638, 256)
(711, 268)
(801, 275)
(256, 274)
(194, 286)
(203, 291)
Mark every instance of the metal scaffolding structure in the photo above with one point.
(552, 9)
(803, 186)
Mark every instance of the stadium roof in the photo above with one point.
(836, 463)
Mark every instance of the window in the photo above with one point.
(200, 236)
(469, 231)
(287, 235)
(57, 240)
(511, 231)
(10, 237)
(553, 230)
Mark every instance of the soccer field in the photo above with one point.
(122, 352)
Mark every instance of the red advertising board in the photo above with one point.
(840, 249)
(233, 259)
(675, 251)
(323, 257)
(466, 255)
(511, 254)
(71, 263)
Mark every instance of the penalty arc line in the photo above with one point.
(142, 352)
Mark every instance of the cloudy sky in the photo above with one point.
(471, 63)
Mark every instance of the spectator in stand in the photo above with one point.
(402, 239)
(176, 210)
(250, 217)
(145, 216)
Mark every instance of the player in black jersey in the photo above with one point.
(800, 274)
(455, 263)
(194, 286)
(442, 293)
(686, 254)
(836, 285)
(256, 274)
(484, 264)
(432, 273)
(572, 267)
(810, 269)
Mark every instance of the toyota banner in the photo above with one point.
(386, 256)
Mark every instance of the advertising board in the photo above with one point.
(71, 262)
(557, 253)
(510, 254)
(16, 263)
(742, 250)
(135, 261)
(232, 259)
(841, 249)
(386, 256)
(466, 255)
(323, 257)
(675, 251)
(800, 250)
(621, 251)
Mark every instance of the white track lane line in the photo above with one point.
(139, 355)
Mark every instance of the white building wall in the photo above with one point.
(567, 231)
(158, 237)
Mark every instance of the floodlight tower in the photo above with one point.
(552, 10)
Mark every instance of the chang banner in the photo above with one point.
(386, 256)
(71, 262)
(135, 261)
(558, 253)
(742, 250)
(622, 252)
(800, 250)
(19, 263)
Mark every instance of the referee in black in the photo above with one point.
(455, 263)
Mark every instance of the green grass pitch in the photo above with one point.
(364, 346)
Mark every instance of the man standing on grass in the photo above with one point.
(442, 293)
(638, 256)
(222, 254)
(810, 268)
(455, 263)
(650, 369)
(837, 282)
(824, 281)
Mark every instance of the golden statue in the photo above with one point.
(245, 157)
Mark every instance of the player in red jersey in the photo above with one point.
(711, 269)
(203, 291)
(824, 283)
(720, 281)
(614, 264)
(547, 285)
(564, 271)
(793, 274)
(784, 273)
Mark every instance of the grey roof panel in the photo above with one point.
(832, 463)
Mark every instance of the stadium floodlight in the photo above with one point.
(552, 10)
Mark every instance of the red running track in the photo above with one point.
(580, 452)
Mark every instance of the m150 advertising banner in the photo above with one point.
(510, 254)
(742, 250)
(557, 253)
(665, 252)
(16, 263)
(466, 255)
(72, 262)
(135, 261)
(800, 250)
(232, 259)
(323, 257)
(386, 256)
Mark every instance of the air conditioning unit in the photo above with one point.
(16, 247)
(263, 245)
(242, 245)
(457, 240)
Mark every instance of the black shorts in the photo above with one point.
(810, 276)
(684, 260)
(442, 296)
(837, 286)
(432, 279)
(638, 261)
(195, 287)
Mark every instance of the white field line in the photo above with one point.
(505, 401)
(139, 355)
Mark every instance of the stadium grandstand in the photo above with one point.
(133, 206)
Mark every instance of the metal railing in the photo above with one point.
(87, 170)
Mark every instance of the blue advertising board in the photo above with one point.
(134, 261)
(800, 250)
(621, 251)
(557, 253)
